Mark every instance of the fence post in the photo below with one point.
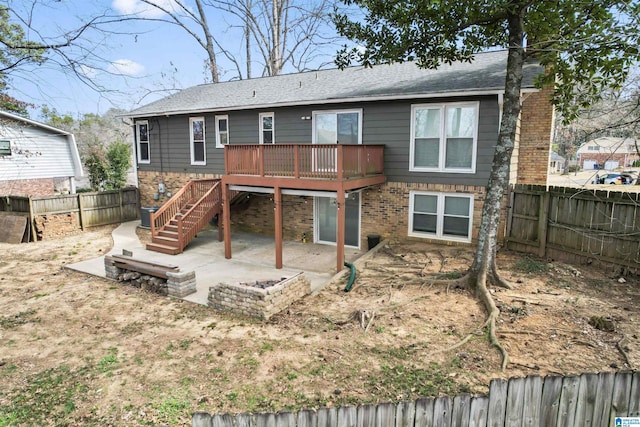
(120, 201)
(32, 222)
(511, 194)
(543, 219)
(80, 213)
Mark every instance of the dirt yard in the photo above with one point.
(80, 350)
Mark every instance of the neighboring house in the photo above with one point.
(36, 159)
(556, 163)
(333, 156)
(608, 153)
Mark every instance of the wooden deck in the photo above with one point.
(312, 167)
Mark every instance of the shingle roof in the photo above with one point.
(485, 74)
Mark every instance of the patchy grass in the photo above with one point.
(10, 322)
(530, 266)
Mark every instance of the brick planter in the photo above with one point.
(256, 302)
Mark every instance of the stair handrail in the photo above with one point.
(167, 211)
(188, 229)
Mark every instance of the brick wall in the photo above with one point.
(624, 160)
(536, 134)
(385, 211)
(28, 187)
(50, 226)
(173, 181)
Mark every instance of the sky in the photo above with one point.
(134, 63)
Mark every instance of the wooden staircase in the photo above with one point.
(178, 221)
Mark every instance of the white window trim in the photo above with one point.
(438, 235)
(443, 123)
(141, 161)
(204, 140)
(354, 110)
(217, 121)
(8, 141)
(261, 124)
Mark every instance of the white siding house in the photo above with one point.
(36, 159)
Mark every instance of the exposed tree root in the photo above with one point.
(479, 284)
(622, 351)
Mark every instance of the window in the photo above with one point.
(331, 127)
(198, 152)
(267, 127)
(222, 131)
(142, 132)
(444, 137)
(440, 216)
(5, 147)
(593, 148)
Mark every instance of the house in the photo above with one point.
(36, 159)
(333, 156)
(556, 163)
(608, 153)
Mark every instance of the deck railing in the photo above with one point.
(313, 161)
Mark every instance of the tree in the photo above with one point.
(108, 167)
(281, 32)
(584, 46)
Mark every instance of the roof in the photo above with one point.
(15, 117)
(609, 144)
(555, 156)
(484, 75)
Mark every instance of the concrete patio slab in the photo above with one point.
(253, 258)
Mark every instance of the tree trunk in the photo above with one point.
(213, 66)
(484, 265)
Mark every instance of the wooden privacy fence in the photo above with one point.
(92, 209)
(577, 225)
(572, 401)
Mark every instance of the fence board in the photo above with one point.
(285, 419)
(532, 399)
(307, 418)
(585, 405)
(515, 402)
(366, 415)
(580, 225)
(603, 398)
(620, 396)
(266, 420)
(347, 416)
(424, 412)
(634, 396)
(550, 403)
(221, 420)
(405, 414)
(461, 410)
(568, 398)
(245, 420)
(442, 411)
(327, 417)
(386, 414)
(497, 402)
(201, 419)
(478, 411)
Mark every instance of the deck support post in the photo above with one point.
(341, 220)
(226, 213)
(277, 211)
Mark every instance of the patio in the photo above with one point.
(252, 259)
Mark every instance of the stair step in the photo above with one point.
(169, 241)
(168, 233)
(165, 249)
(171, 228)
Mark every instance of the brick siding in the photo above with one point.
(28, 187)
(173, 181)
(535, 136)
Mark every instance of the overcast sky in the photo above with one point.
(138, 61)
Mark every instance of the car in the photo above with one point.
(631, 176)
(610, 178)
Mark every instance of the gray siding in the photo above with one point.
(386, 122)
(37, 153)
